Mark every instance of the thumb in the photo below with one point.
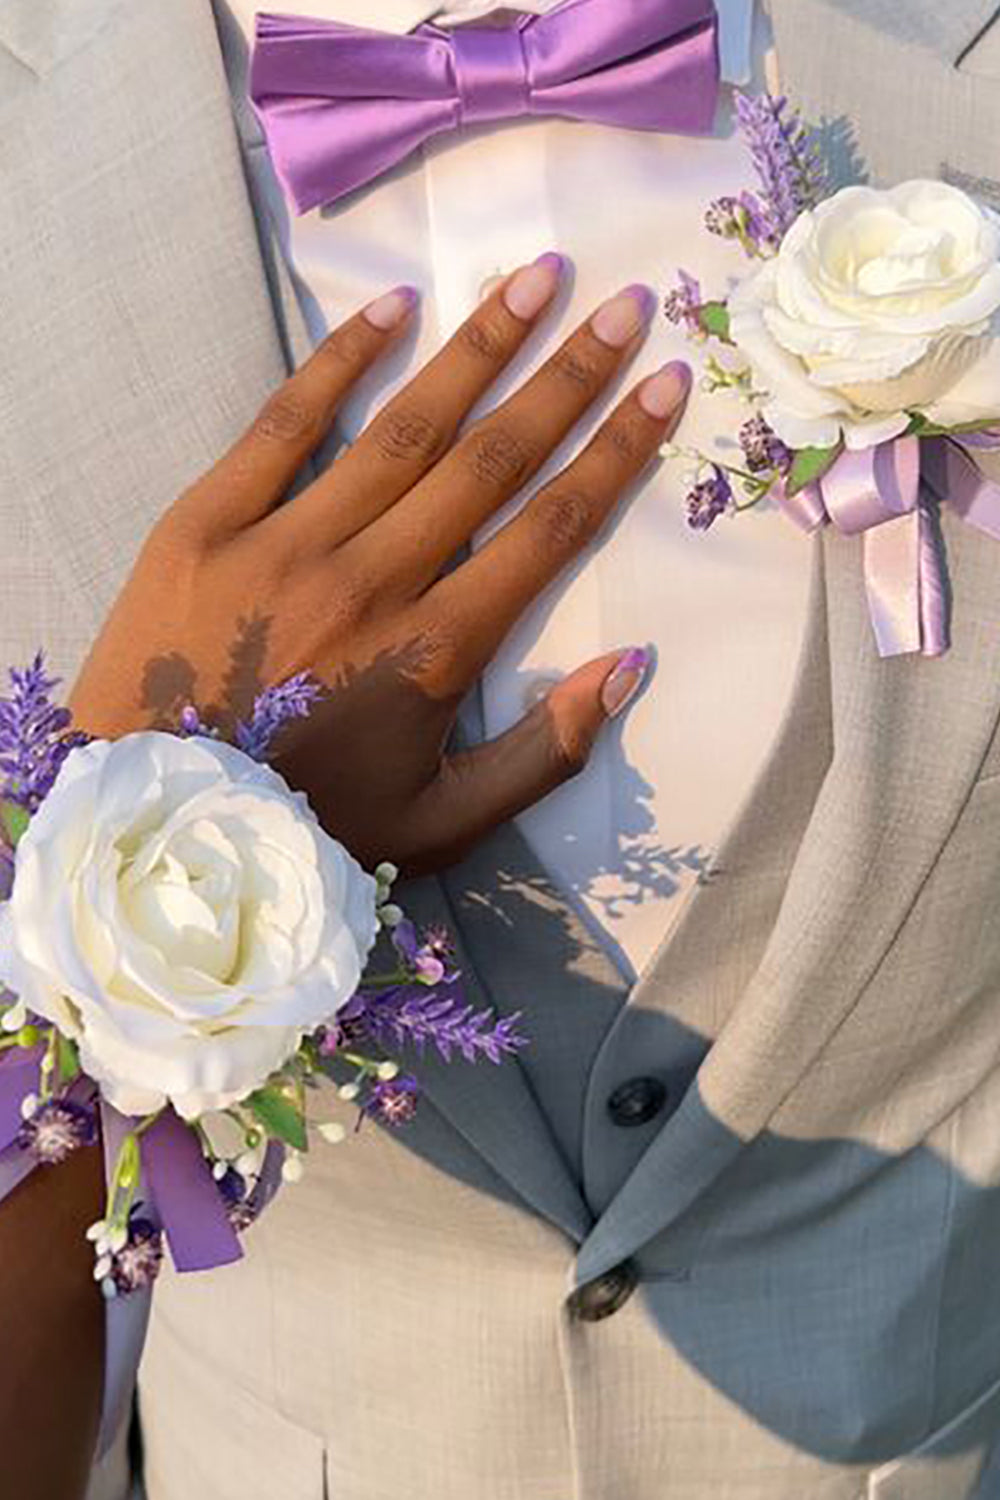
(479, 789)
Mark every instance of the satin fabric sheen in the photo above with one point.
(339, 105)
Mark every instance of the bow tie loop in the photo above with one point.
(491, 73)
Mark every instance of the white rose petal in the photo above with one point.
(182, 914)
(876, 305)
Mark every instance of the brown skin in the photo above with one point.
(238, 587)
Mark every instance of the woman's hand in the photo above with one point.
(237, 588)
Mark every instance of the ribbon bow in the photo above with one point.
(339, 105)
(888, 493)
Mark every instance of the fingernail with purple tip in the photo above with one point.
(534, 286)
(618, 321)
(625, 680)
(392, 310)
(662, 394)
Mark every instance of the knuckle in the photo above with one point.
(579, 370)
(484, 337)
(350, 596)
(406, 434)
(285, 419)
(570, 750)
(436, 657)
(345, 346)
(566, 519)
(500, 456)
(625, 438)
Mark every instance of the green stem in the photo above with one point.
(385, 981)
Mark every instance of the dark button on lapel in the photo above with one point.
(637, 1101)
(605, 1294)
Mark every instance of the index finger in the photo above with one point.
(257, 471)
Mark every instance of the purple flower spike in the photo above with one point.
(709, 500)
(273, 709)
(57, 1129)
(393, 1102)
(787, 162)
(34, 737)
(413, 1013)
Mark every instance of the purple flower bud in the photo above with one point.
(709, 499)
(57, 1129)
(762, 447)
(683, 304)
(393, 1102)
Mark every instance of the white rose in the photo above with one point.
(877, 303)
(181, 913)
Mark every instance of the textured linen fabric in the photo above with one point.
(815, 1217)
(724, 612)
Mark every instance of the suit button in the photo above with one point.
(637, 1101)
(605, 1294)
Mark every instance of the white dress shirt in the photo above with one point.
(724, 611)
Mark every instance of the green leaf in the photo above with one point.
(279, 1116)
(921, 427)
(713, 317)
(810, 464)
(67, 1058)
(14, 820)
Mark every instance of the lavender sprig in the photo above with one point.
(791, 175)
(683, 305)
(786, 158)
(34, 736)
(273, 709)
(441, 1016)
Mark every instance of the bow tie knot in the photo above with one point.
(491, 73)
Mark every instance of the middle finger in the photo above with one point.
(503, 450)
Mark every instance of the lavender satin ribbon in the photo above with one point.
(887, 494)
(187, 1201)
(338, 105)
(19, 1075)
(183, 1195)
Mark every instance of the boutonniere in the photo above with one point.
(864, 340)
(181, 940)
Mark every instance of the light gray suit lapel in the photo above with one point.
(138, 332)
(910, 737)
(948, 27)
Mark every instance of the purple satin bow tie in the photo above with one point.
(339, 105)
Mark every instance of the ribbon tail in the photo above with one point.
(892, 558)
(956, 479)
(187, 1201)
(933, 587)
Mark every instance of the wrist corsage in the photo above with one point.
(865, 345)
(183, 945)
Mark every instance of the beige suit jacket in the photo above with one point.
(811, 1225)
